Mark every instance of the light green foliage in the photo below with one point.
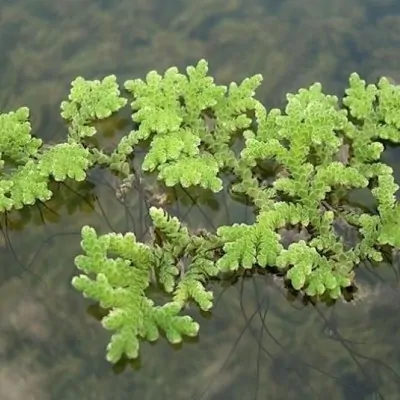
(27, 165)
(360, 97)
(321, 150)
(22, 179)
(28, 185)
(65, 160)
(90, 101)
(389, 102)
(118, 270)
(16, 142)
(184, 261)
(191, 122)
(305, 142)
(119, 284)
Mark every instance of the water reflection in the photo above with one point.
(259, 341)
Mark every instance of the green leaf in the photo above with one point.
(66, 160)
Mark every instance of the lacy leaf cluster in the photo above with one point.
(300, 167)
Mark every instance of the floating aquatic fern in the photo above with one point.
(118, 270)
(321, 150)
(90, 101)
(27, 165)
(191, 122)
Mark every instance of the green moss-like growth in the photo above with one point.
(321, 150)
(27, 166)
(123, 269)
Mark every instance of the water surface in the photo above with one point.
(259, 341)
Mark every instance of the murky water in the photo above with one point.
(259, 341)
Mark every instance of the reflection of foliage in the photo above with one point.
(74, 197)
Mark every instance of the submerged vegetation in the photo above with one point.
(300, 167)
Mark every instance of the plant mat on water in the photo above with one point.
(196, 133)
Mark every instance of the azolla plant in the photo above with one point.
(321, 149)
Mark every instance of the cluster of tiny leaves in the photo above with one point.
(90, 101)
(378, 110)
(304, 141)
(21, 182)
(191, 122)
(323, 150)
(27, 165)
(117, 270)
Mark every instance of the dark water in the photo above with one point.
(258, 343)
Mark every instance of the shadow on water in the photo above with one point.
(260, 341)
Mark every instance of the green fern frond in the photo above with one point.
(389, 104)
(28, 185)
(16, 142)
(191, 285)
(90, 101)
(360, 97)
(117, 272)
(200, 171)
(65, 160)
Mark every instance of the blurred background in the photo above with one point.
(258, 342)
